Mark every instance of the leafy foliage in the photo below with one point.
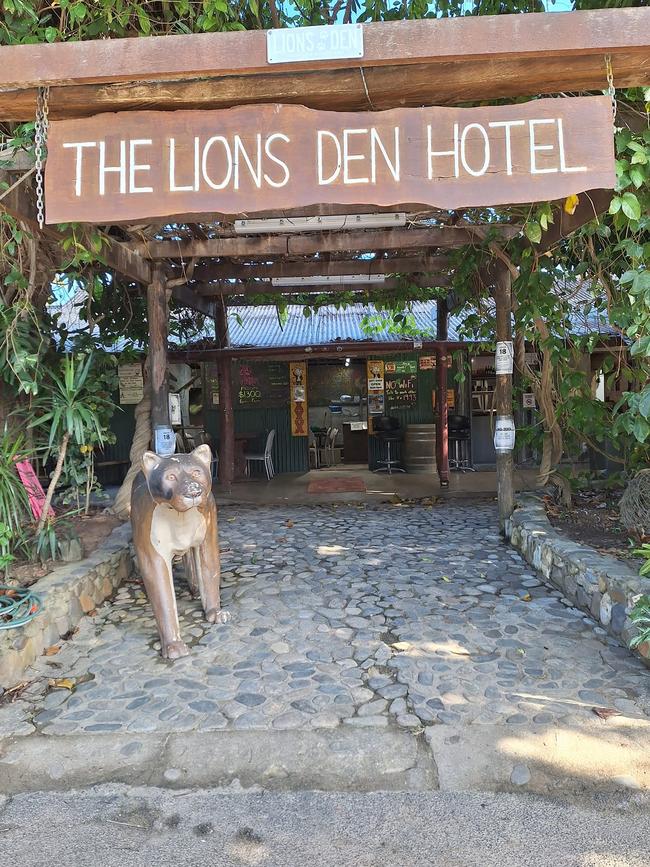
(644, 551)
(14, 503)
(640, 616)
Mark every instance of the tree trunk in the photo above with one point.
(442, 411)
(503, 395)
(226, 414)
(53, 483)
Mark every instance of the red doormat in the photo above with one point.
(337, 485)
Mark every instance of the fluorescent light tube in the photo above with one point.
(328, 280)
(319, 224)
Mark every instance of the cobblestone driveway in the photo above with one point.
(343, 616)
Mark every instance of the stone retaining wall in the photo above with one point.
(68, 593)
(602, 586)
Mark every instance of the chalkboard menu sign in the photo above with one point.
(401, 385)
(257, 383)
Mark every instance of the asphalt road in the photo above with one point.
(119, 826)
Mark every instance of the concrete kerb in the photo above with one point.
(597, 584)
(341, 760)
(69, 592)
(545, 760)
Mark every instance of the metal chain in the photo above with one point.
(40, 146)
(611, 90)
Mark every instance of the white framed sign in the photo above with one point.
(504, 357)
(504, 434)
(328, 42)
(175, 409)
(131, 383)
(528, 401)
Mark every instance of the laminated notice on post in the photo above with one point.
(504, 434)
(504, 356)
(164, 441)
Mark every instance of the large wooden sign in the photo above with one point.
(145, 164)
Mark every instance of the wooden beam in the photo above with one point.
(265, 287)
(320, 242)
(187, 297)
(119, 258)
(226, 413)
(306, 298)
(466, 58)
(446, 83)
(158, 315)
(442, 418)
(442, 411)
(15, 159)
(342, 349)
(592, 204)
(20, 203)
(320, 267)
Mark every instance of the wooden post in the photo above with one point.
(226, 414)
(503, 396)
(157, 312)
(442, 424)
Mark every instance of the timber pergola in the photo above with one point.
(204, 264)
(422, 62)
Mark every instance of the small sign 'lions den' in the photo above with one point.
(173, 514)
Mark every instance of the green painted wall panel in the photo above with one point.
(122, 425)
(289, 452)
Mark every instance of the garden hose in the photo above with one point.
(18, 606)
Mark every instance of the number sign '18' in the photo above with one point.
(142, 164)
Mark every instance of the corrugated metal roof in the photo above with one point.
(261, 326)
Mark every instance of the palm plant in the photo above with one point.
(70, 405)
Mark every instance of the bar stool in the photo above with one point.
(387, 430)
(459, 434)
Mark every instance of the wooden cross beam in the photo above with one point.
(336, 349)
(265, 287)
(322, 267)
(20, 204)
(186, 297)
(420, 62)
(322, 242)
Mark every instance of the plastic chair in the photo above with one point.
(329, 451)
(264, 457)
(313, 450)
